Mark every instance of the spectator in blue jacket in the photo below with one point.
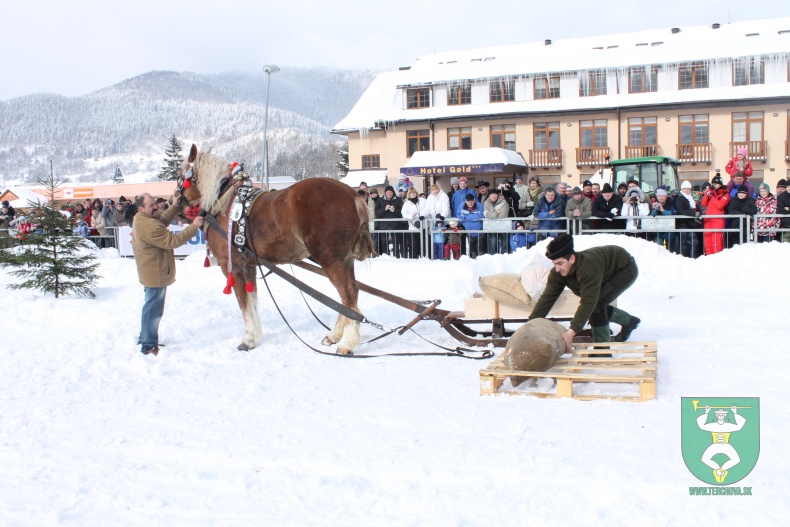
(550, 211)
(459, 197)
(472, 217)
(522, 238)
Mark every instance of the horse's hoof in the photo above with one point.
(244, 347)
(327, 341)
(345, 351)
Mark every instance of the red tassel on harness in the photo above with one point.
(249, 287)
(206, 262)
(231, 282)
(186, 184)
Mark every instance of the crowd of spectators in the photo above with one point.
(502, 219)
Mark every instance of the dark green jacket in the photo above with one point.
(592, 268)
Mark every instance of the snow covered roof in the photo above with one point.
(383, 102)
(479, 160)
(372, 177)
(22, 197)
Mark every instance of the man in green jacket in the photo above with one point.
(153, 245)
(598, 276)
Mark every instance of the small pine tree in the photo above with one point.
(173, 160)
(343, 163)
(51, 259)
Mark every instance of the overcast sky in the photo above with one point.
(74, 47)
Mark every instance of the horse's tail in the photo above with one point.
(363, 247)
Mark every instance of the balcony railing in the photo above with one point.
(757, 149)
(642, 151)
(695, 153)
(549, 158)
(787, 149)
(592, 155)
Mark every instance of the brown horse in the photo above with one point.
(318, 217)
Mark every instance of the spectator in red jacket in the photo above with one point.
(715, 201)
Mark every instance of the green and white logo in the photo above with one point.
(720, 437)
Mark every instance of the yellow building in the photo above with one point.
(693, 93)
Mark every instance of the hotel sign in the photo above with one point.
(453, 169)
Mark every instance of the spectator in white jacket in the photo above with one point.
(634, 206)
(415, 210)
(438, 204)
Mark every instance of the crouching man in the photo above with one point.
(598, 276)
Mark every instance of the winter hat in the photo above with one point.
(606, 188)
(560, 247)
(470, 197)
(362, 193)
(483, 184)
(494, 191)
(743, 151)
(453, 180)
(389, 187)
(716, 180)
(659, 192)
(577, 190)
(685, 184)
(519, 176)
(765, 186)
(374, 191)
(401, 178)
(463, 179)
(587, 183)
(781, 184)
(743, 188)
(520, 224)
(4, 203)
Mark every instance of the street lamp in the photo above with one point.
(268, 70)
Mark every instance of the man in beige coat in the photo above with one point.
(153, 246)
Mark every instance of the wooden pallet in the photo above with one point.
(630, 375)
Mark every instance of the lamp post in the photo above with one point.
(268, 70)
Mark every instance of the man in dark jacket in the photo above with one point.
(783, 207)
(388, 207)
(742, 204)
(598, 276)
(606, 205)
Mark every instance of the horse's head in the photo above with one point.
(201, 175)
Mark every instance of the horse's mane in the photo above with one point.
(210, 169)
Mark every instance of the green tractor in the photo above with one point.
(650, 172)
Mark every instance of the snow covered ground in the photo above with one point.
(92, 433)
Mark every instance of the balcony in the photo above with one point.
(549, 158)
(642, 151)
(757, 149)
(695, 153)
(592, 155)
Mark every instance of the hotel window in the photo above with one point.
(594, 83)
(747, 127)
(371, 161)
(417, 141)
(639, 82)
(546, 87)
(547, 135)
(459, 94)
(504, 136)
(692, 76)
(642, 131)
(748, 72)
(593, 133)
(693, 129)
(459, 138)
(418, 98)
(502, 90)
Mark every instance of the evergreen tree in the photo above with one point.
(343, 163)
(173, 160)
(53, 259)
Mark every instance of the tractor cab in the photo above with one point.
(650, 172)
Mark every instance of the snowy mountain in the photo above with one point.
(129, 124)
